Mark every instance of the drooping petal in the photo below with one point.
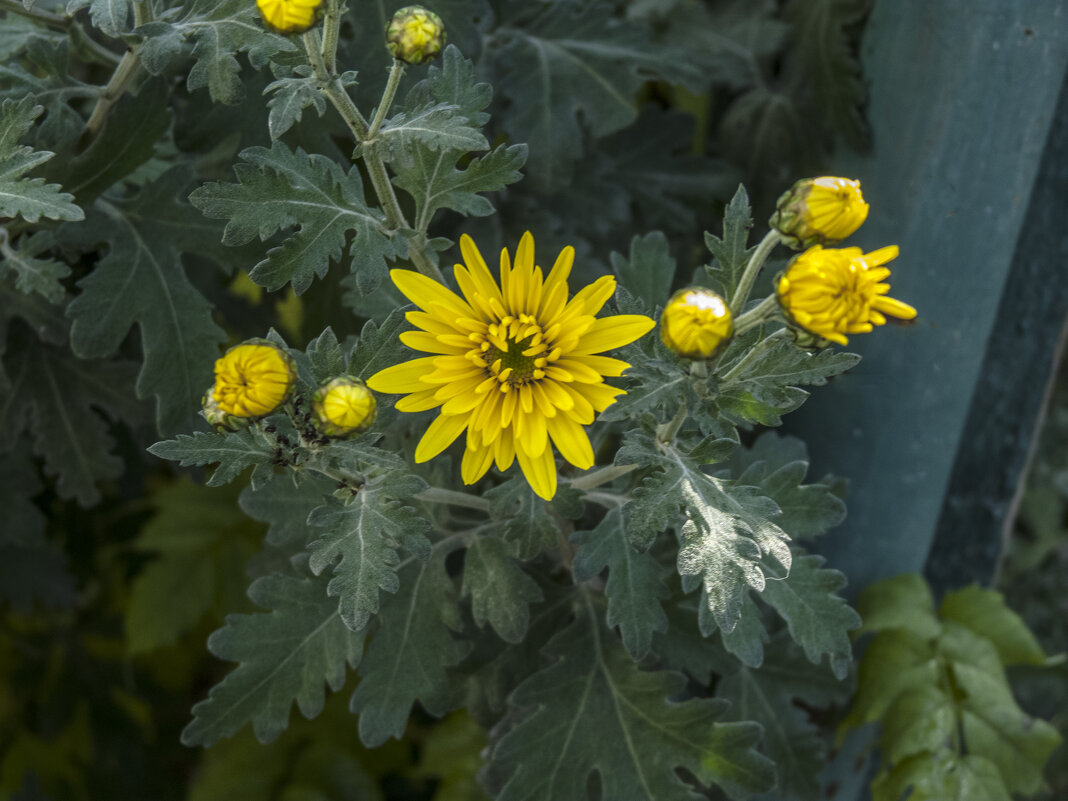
(475, 463)
(540, 471)
(571, 440)
(439, 435)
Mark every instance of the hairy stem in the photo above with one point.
(124, 73)
(331, 31)
(36, 14)
(755, 351)
(602, 476)
(396, 72)
(752, 270)
(666, 433)
(768, 309)
(452, 498)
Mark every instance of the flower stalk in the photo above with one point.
(766, 310)
(752, 270)
(396, 72)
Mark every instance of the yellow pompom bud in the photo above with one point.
(216, 417)
(696, 323)
(829, 293)
(253, 379)
(343, 407)
(415, 35)
(819, 211)
(290, 16)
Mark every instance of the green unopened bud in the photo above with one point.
(216, 417)
(343, 407)
(415, 35)
(819, 211)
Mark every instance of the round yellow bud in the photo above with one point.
(819, 211)
(343, 407)
(415, 35)
(829, 293)
(290, 16)
(216, 417)
(253, 379)
(696, 323)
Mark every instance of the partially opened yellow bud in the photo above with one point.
(343, 407)
(290, 16)
(833, 292)
(216, 417)
(696, 323)
(253, 379)
(415, 35)
(819, 211)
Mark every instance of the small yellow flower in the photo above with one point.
(415, 35)
(290, 16)
(834, 292)
(216, 417)
(513, 364)
(819, 211)
(253, 379)
(696, 323)
(343, 406)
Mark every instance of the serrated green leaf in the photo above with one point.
(54, 395)
(290, 95)
(41, 72)
(436, 127)
(203, 542)
(899, 602)
(593, 710)
(408, 656)
(280, 188)
(985, 613)
(220, 29)
(647, 272)
(730, 252)
(500, 591)
(825, 56)
(233, 452)
(380, 347)
(767, 696)
(527, 525)
(635, 585)
(141, 281)
(286, 654)
(30, 198)
(110, 16)
(285, 506)
(777, 465)
(14, 34)
(32, 274)
(942, 777)
(360, 543)
(567, 59)
(434, 182)
(453, 83)
(817, 618)
(326, 357)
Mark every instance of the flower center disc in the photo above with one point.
(514, 351)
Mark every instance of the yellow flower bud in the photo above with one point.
(819, 211)
(832, 292)
(253, 379)
(415, 35)
(290, 16)
(696, 323)
(343, 407)
(216, 417)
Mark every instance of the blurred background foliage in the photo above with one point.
(113, 570)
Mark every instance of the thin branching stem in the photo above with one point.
(758, 315)
(36, 14)
(602, 476)
(128, 67)
(752, 270)
(452, 498)
(396, 72)
(666, 433)
(331, 33)
(757, 350)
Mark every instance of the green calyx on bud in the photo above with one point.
(415, 35)
(343, 407)
(216, 417)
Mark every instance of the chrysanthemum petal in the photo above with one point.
(475, 463)
(592, 297)
(425, 292)
(504, 449)
(895, 308)
(429, 343)
(571, 440)
(540, 471)
(530, 432)
(600, 396)
(580, 371)
(603, 365)
(609, 333)
(440, 434)
(418, 401)
(582, 410)
(402, 378)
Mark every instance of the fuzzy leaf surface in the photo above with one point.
(592, 710)
(34, 274)
(436, 127)
(527, 525)
(285, 654)
(232, 451)
(501, 592)
(290, 95)
(280, 188)
(29, 198)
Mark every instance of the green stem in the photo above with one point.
(752, 270)
(749, 357)
(768, 309)
(36, 14)
(452, 498)
(602, 476)
(116, 87)
(331, 32)
(666, 433)
(396, 72)
(94, 48)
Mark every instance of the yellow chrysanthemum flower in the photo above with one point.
(343, 406)
(695, 323)
(415, 35)
(289, 16)
(819, 211)
(253, 379)
(834, 292)
(514, 364)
